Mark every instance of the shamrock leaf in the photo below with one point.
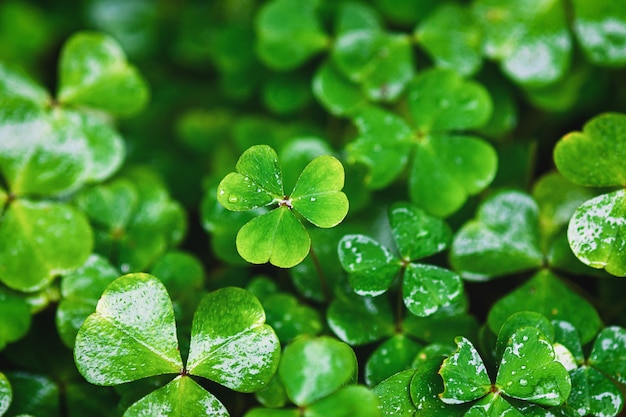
(394, 355)
(94, 72)
(464, 374)
(6, 394)
(594, 394)
(593, 157)
(336, 92)
(394, 396)
(609, 353)
(278, 236)
(493, 405)
(15, 318)
(602, 43)
(503, 239)
(427, 288)
(289, 318)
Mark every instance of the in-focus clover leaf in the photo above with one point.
(608, 354)
(425, 386)
(289, 33)
(464, 374)
(594, 394)
(599, 28)
(593, 157)
(427, 288)
(547, 294)
(531, 40)
(6, 394)
(503, 239)
(492, 405)
(15, 318)
(452, 37)
(278, 236)
(39, 240)
(394, 396)
(94, 72)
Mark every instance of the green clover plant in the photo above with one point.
(278, 236)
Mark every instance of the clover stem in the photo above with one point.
(400, 301)
(320, 274)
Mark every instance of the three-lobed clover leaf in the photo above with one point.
(15, 317)
(278, 236)
(6, 394)
(372, 267)
(132, 335)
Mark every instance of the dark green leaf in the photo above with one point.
(464, 375)
(394, 396)
(265, 412)
(546, 294)
(427, 288)
(273, 395)
(336, 92)
(6, 394)
(354, 400)
(39, 240)
(132, 334)
(599, 28)
(566, 335)
(426, 384)
(417, 233)
(441, 327)
(609, 353)
(503, 239)
(594, 394)
(33, 394)
(313, 368)
(393, 355)
(289, 318)
(182, 396)
(15, 318)
(230, 342)
(354, 16)
(297, 153)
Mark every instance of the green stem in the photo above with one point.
(320, 274)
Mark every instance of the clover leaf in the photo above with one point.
(394, 355)
(6, 394)
(278, 236)
(609, 353)
(372, 267)
(15, 317)
(132, 335)
(94, 72)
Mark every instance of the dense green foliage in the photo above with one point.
(312, 208)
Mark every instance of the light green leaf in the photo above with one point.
(493, 405)
(354, 16)
(441, 100)
(383, 145)
(427, 288)
(6, 394)
(289, 318)
(317, 196)
(313, 368)
(353, 400)
(257, 182)
(417, 233)
(230, 343)
(14, 82)
(503, 239)
(566, 335)
(394, 396)
(528, 370)
(273, 395)
(393, 355)
(277, 237)
(15, 319)
(592, 157)
(132, 334)
(452, 37)
(517, 321)
(80, 291)
(297, 153)
(271, 412)
(181, 397)
(94, 72)
(594, 394)
(609, 353)
(601, 31)
(464, 375)
(597, 232)
(39, 240)
(289, 33)
(336, 92)
(447, 169)
(371, 266)
(546, 294)
(425, 386)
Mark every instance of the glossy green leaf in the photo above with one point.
(425, 386)
(289, 318)
(33, 395)
(297, 153)
(529, 38)
(354, 16)
(566, 335)
(289, 33)
(517, 321)
(15, 318)
(447, 169)
(503, 239)
(546, 294)
(592, 157)
(257, 182)
(601, 31)
(313, 368)
(353, 400)
(417, 233)
(80, 291)
(597, 235)
(39, 240)
(427, 288)
(441, 100)
(273, 395)
(393, 355)
(6, 394)
(336, 92)
(594, 394)
(609, 353)
(277, 237)
(394, 395)
(132, 334)
(493, 405)
(317, 194)
(360, 320)
(182, 396)
(237, 350)
(464, 374)
(383, 145)
(371, 266)
(529, 372)
(270, 412)
(94, 72)
(452, 37)
(432, 351)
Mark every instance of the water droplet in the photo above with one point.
(233, 198)
(124, 268)
(523, 382)
(313, 198)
